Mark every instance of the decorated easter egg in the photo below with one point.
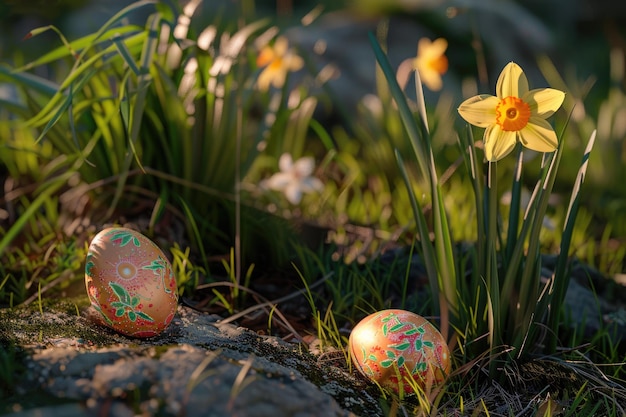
(130, 282)
(399, 350)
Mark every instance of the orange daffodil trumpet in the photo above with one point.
(278, 60)
(514, 114)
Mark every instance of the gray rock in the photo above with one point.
(197, 367)
(116, 409)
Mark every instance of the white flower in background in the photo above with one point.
(294, 178)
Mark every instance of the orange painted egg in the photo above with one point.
(130, 282)
(399, 350)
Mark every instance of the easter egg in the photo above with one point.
(399, 350)
(130, 282)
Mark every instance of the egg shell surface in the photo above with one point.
(130, 282)
(393, 347)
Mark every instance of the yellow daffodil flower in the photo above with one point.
(431, 63)
(514, 114)
(278, 60)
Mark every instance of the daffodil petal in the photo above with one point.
(544, 102)
(538, 135)
(264, 80)
(423, 45)
(498, 143)
(431, 79)
(405, 69)
(265, 56)
(280, 46)
(438, 46)
(293, 62)
(479, 110)
(512, 82)
(427, 48)
(278, 77)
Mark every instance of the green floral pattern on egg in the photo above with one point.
(127, 304)
(130, 283)
(398, 349)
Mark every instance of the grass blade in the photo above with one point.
(143, 81)
(30, 81)
(32, 208)
(428, 251)
(78, 45)
(560, 272)
(408, 120)
(417, 130)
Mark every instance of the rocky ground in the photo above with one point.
(56, 360)
(67, 365)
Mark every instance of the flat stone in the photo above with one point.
(196, 367)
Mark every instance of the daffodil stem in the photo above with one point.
(491, 263)
(514, 206)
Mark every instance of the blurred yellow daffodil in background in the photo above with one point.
(514, 114)
(431, 63)
(278, 60)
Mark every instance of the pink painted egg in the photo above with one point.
(130, 282)
(399, 350)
